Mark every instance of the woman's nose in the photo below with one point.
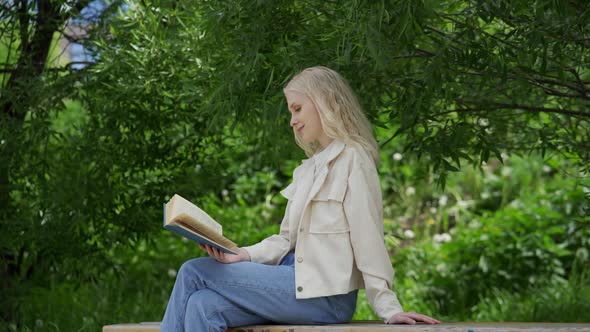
(293, 120)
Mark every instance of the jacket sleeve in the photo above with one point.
(363, 207)
(272, 249)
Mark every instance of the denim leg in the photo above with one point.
(265, 291)
(209, 311)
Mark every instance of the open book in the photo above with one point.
(186, 219)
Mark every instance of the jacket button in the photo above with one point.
(299, 259)
(301, 229)
(300, 289)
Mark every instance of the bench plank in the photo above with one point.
(380, 327)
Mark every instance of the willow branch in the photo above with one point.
(480, 107)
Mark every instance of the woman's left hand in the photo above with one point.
(411, 318)
(242, 254)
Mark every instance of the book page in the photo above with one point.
(181, 205)
(184, 220)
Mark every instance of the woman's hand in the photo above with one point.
(221, 257)
(411, 318)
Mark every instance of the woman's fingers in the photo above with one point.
(215, 253)
(219, 254)
(405, 320)
(411, 318)
(210, 251)
(422, 318)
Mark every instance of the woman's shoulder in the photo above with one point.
(354, 155)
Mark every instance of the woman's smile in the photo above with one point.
(305, 116)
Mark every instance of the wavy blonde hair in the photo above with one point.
(340, 112)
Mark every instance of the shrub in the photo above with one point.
(512, 250)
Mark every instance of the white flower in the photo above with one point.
(483, 122)
(441, 238)
(171, 273)
(517, 204)
(546, 168)
(441, 268)
(409, 234)
(433, 210)
(2, 141)
(504, 156)
(474, 224)
(463, 204)
(489, 130)
(397, 156)
(485, 195)
(224, 192)
(506, 171)
(410, 191)
(442, 201)
(445, 237)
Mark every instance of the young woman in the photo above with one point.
(331, 238)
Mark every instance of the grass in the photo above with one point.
(567, 301)
(81, 308)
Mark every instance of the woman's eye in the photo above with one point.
(297, 109)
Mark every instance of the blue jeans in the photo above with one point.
(212, 296)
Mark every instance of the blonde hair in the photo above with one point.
(340, 112)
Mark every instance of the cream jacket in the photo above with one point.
(335, 225)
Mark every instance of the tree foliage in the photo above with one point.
(185, 96)
(461, 80)
(37, 238)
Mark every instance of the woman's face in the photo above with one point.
(305, 119)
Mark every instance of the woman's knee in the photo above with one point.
(193, 266)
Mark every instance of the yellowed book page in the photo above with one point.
(212, 236)
(199, 217)
(184, 220)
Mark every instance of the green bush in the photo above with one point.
(511, 250)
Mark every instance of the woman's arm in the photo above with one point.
(364, 211)
(268, 251)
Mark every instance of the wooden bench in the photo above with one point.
(380, 327)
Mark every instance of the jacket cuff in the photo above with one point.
(255, 253)
(387, 313)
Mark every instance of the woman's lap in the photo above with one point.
(266, 291)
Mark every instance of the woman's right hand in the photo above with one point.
(222, 257)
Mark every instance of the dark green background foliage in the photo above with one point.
(481, 109)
